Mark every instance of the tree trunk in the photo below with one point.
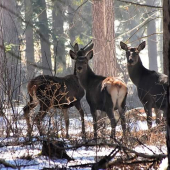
(166, 35)
(152, 42)
(58, 32)
(166, 56)
(44, 38)
(2, 54)
(10, 61)
(29, 39)
(70, 17)
(72, 26)
(152, 46)
(104, 62)
(161, 46)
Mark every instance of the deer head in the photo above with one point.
(132, 54)
(82, 57)
(82, 52)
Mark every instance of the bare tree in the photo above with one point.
(10, 61)
(58, 32)
(44, 37)
(29, 39)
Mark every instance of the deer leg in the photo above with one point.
(158, 115)
(93, 112)
(39, 117)
(27, 110)
(66, 119)
(164, 119)
(101, 119)
(123, 120)
(148, 110)
(110, 114)
(79, 108)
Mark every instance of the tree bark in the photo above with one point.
(29, 39)
(2, 54)
(166, 56)
(44, 38)
(166, 34)
(104, 62)
(10, 61)
(58, 32)
(152, 46)
(152, 42)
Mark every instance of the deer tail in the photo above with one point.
(112, 81)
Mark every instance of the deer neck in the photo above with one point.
(75, 70)
(85, 77)
(136, 71)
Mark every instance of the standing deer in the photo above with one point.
(58, 92)
(105, 94)
(151, 85)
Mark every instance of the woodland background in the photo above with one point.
(36, 36)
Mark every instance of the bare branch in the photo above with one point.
(138, 27)
(28, 62)
(142, 5)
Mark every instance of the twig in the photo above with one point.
(86, 45)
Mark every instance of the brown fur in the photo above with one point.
(98, 99)
(116, 88)
(53, 92)
(151, 85)
(113, 81)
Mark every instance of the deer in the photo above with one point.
(102, 93)
(54, 92)
(151, 85)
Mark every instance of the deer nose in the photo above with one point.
(130, 61)
(79, 68)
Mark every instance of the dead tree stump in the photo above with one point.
(55, 149)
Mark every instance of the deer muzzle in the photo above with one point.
(130, 61)
(79, 69)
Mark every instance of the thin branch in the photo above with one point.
(81, 5)
(142, 5)
(28, 62)
(26, 22)
(145, 37)
(138, 27)
(78, 7)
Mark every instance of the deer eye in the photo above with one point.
(127, 52)
(135, 53)
(85, 63)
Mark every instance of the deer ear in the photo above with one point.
(73, 55)
(76, 47)
(90, 55)
(141, 46)
(123, 46)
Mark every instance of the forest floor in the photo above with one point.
(18, 152)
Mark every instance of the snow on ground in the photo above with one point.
(164, 164)
(28, 157)
(15, 155)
